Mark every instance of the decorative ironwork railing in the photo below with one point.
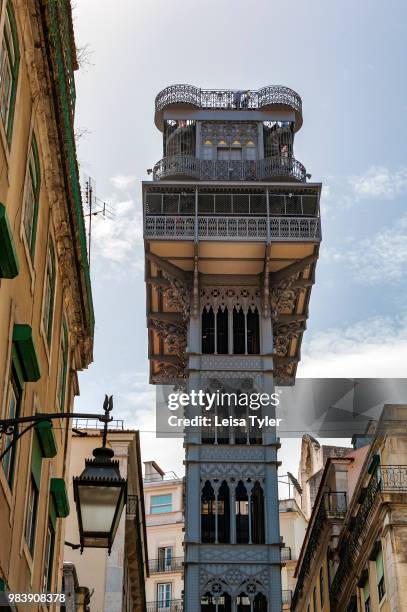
(393, 478)
(158, 566)
(229, 170)
(333, 505)
(286, 597)
(175, 605)
(171, 227)
(286, 553)
(227, 98)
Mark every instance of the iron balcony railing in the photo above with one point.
(286, 554)
(287, 597)
(232, 228)
(186, 166)
(228, 98)
(158, 566)
(175, 605)
(393, 478)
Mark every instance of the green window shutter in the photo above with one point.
(46, 438)
(36, 461)
(9, 267)
(26, 353)
(60, 497)
(374, 463)
(379, 566)
(366, 590)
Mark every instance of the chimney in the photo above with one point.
(152, 472)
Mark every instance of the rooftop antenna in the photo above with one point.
(94, 206)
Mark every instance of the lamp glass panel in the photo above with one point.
(98, 506)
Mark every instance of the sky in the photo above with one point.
(347, 61)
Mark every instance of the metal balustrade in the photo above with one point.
(187, 166)
(175, 605)
(286, 597)
(393, 478)
(227, 98)
(172, 227)
(158, 566)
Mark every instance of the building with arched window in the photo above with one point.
(232, 232)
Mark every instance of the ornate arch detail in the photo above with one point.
(252, 580)
(175, 336)
(241, 298)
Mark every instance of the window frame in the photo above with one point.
(16, 388)
(49, 550)
(154, 507)
(12, 50)
(31, 514)
(32, 195)
(49, 283)
(63, 365)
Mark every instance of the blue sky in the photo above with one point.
(347, 61)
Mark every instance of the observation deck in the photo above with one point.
(271, 97)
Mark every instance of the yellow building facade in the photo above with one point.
(46, 312)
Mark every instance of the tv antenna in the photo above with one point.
(94, 206)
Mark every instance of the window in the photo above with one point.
(32, 193)
(314, 599)
(381, 585)
(161, 503)
(164, 595)
(321, 586)
(232, 153)
(31, 517)
(366, 596)
(165, 555)
(49, 292)
(48, 557)
(250, 151)
(13, 411)
(63, 365)
(207, 151)
(9, 61)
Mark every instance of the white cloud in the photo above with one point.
(379, 182)
(116, 243)
(122, 181)
(381, 257)
(375, 348)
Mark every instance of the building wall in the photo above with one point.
(166, 529)
(22, 299)
(107, 576)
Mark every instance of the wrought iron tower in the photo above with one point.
(232, 232)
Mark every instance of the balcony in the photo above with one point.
(163, 566)
(286, 597)
(200, 213)
(174, 605)
(228, 99)
(186, 166)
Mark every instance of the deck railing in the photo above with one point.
(187, 166)
(158, 566)
(175, 605)
(228, 98)
(171, 227)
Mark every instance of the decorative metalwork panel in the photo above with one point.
(174, 227)
(226, 98)
(187, 166)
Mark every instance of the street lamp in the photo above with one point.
(100, 494)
